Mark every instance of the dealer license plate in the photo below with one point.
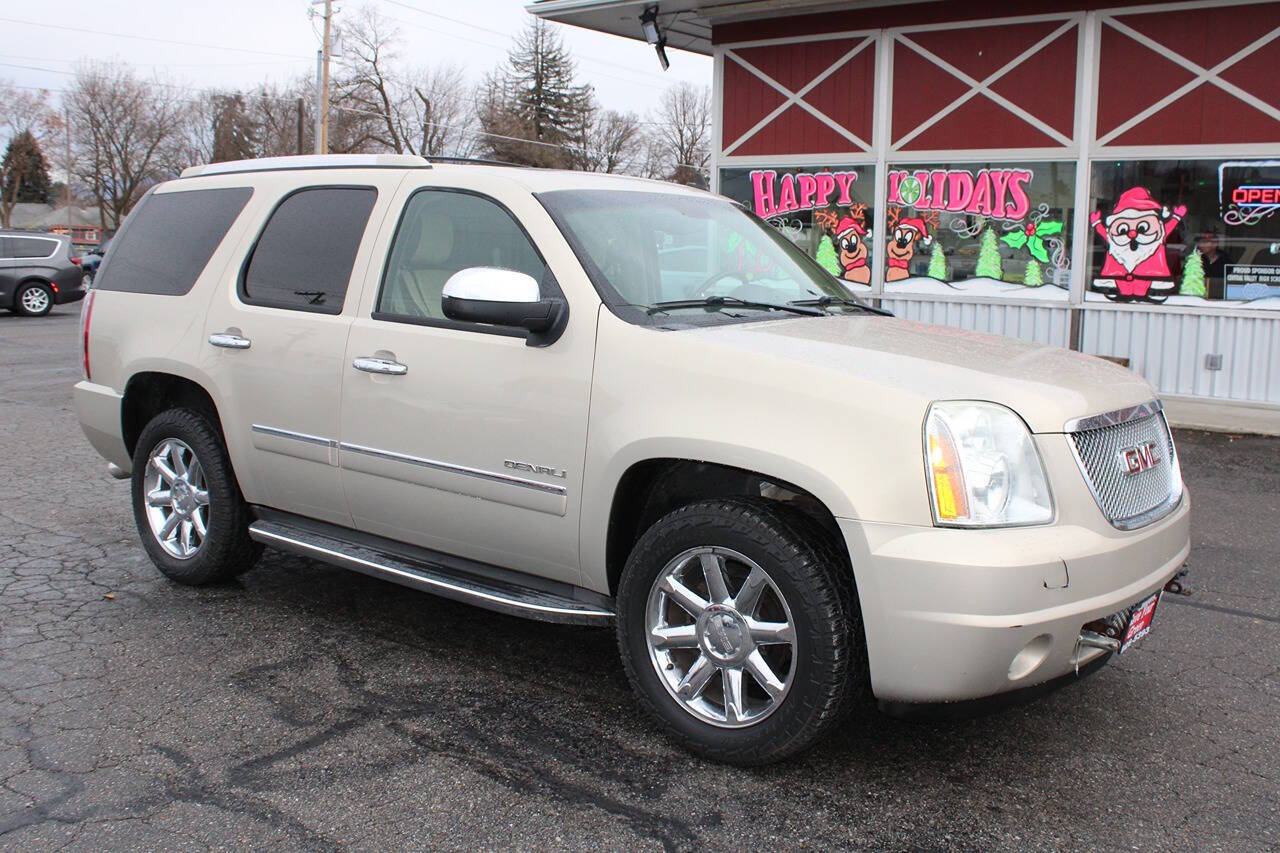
(1139, 622)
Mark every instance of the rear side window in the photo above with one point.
(304, 256)
(31, 247)
(167, 241)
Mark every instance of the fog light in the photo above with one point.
(1032, 655)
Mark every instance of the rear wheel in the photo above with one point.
(33, 300)
(186, 503)
(739, 631)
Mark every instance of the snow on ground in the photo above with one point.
(856, 287)
(1269, 303)
(974, 287)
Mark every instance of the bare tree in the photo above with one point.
(680, 142)
(419, 111)
(24, 114)
(281, 122)
(128, 134)
(607, 141)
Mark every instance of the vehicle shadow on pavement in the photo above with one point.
(380, 678)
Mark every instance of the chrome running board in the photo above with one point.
(428, 574)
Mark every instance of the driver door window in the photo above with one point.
(440, 233)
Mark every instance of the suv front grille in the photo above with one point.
(1129, 462)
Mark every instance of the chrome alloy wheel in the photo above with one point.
(177, 499)
(727, 659)
(35, 300)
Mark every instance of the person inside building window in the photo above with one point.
(1215, 263)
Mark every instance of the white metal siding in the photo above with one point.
(1028, 322)
(1169, 349)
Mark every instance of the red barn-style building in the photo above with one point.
(1101, 176)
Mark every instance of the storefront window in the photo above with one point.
(990, 230)
(826, 211)
(1186, 232)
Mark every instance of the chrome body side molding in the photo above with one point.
(434, 473)
(435, 464)
(287, 442)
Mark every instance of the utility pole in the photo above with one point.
(299, 125)
(319, 101)
(324, 87)
(66, 123)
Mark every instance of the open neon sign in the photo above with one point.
(997, 193)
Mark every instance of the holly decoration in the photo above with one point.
(1193, 275)
(1032, 236)
(1033, 277)
(826, 256)
(937, 263)
(989, 263)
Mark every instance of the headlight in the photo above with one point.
(983, 467)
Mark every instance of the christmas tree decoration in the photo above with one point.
(826, 256)
(937, 263)
(1032, 236)
(1193, 275)
(989, 263)
(1033, 277)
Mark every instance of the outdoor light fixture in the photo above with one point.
(654, 36)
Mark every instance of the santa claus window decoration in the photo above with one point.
(825, 210)
(1186, 232)
(984, 230)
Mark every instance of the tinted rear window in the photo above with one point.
(304, 256)
(31, 247)
(166, 243)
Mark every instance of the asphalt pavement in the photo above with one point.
(309, 707)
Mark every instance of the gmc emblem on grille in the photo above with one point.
(1142, 457)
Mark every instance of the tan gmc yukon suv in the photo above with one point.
(600, 400)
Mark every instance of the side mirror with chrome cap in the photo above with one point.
(502, 297)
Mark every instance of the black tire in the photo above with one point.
(227, 550)
(20, 308)
(829, 651)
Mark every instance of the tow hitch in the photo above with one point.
(1117, 632)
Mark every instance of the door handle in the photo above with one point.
(369, 364)
(227, 341)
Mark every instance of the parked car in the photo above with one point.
(477, 381)
(92, 259)
(37, 271)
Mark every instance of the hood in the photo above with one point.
(1046, 385)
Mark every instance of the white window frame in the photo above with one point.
(1083, 146)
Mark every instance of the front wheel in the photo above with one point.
(739, 631)
(187, 504)
(33, 300)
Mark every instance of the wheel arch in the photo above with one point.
(149, 392)
(33, 279)
(650, 488)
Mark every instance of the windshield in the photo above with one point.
(662, 258)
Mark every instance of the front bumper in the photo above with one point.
(953, 615)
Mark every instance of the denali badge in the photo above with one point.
(534, 469)
(1142, 457)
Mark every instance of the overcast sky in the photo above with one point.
(237, 43)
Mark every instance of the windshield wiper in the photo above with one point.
(824, 301)
(733, 302)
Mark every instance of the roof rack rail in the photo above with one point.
(477, 161)
(310, 161)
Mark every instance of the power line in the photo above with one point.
(576, 55)
(149, 38)
(158, 64)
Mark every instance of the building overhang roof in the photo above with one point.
(687, 23)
